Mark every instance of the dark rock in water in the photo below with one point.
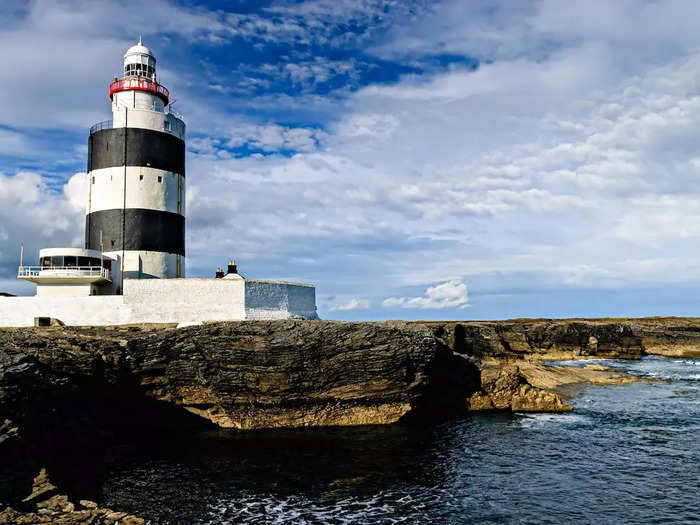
(508, 388)
(50, 507)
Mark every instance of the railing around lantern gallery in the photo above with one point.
(63, 271)
(105, 124)
(139, 84)
(109, 124)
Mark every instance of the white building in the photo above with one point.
(132, 268)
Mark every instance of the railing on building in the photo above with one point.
(105, 124)
(139, 84)
(63, 271)
(109, 124)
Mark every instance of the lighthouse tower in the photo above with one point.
(136, 174)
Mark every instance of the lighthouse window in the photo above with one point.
(160, 179)
(140, 177)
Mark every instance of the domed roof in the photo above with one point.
(139, 49)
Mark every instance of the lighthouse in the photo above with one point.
(132, 268)
(136, 176)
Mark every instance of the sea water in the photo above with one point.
(627, 454)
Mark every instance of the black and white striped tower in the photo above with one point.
(136, 171)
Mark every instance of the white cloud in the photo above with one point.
(352, 304)
(451, 294)
(33, 214)
(567, 160)
(273, 137)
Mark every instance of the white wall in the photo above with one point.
(144, 111)
(183, 300)
(92, 310)
(279, 300)
(147, 264)
(169, 301)
(63, 290)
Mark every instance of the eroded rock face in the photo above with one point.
(247, 375)
(670, 337)
(535, 339)
(71, 393)
(506, 388)
(541, 339)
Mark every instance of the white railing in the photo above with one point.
(63, 271)
(109, 124)
(105, 124)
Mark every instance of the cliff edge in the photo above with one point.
(67, 393)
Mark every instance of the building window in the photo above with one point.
(112, 243)
(160, 179)
(93, 180)
(140, 177)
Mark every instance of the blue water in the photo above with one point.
(628, 454)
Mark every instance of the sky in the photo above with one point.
(418, 159)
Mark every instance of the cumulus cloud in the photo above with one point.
(37, 216)
(352, 304)
(273, 137)
(451, 294)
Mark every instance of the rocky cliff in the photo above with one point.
(547, 339)
(508, 352)
(70, 393)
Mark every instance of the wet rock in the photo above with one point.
(506, 388)
(59, 510)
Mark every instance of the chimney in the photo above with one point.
(232, 268)
(219, 273)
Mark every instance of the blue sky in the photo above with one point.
(413, 159)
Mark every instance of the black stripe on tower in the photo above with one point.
(144, 147)
(151, 230)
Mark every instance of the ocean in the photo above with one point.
(627, 454)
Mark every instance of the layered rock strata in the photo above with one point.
(540, 339)
(249, 375)
(71, 393)
(66, 393)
